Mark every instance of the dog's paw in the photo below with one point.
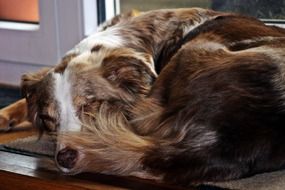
(13, 115)
(5, 122)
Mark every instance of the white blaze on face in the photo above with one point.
(63, 95)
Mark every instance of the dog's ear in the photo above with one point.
(132, 74)
(30, 80)
(61, 66)
(29, 87)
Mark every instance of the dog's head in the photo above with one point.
(64, 98)
(99, 74)
(60, 97)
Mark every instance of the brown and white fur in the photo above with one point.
(215, 111)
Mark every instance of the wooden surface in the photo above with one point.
(28, 173)
(23, 130)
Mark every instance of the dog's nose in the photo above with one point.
(67, 158)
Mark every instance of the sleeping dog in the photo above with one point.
(215, 112)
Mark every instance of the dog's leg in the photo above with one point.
(13, 114)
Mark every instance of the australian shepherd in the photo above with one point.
(179, 95)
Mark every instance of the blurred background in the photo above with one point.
(37, 33)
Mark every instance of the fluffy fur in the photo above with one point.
(215, 111)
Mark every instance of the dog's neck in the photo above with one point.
(158, 33)
(154, 33)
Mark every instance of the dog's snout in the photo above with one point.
(67, 158)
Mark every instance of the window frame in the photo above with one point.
(274, 22)
(62, 24)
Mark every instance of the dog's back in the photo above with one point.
(222, 99)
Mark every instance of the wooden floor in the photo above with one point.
(19, 172)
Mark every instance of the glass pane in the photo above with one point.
(265, 9)
(144, 5)
(19, 10)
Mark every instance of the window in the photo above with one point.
(143, 5)
(269, 10)
(263, 9)
(19, 11)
